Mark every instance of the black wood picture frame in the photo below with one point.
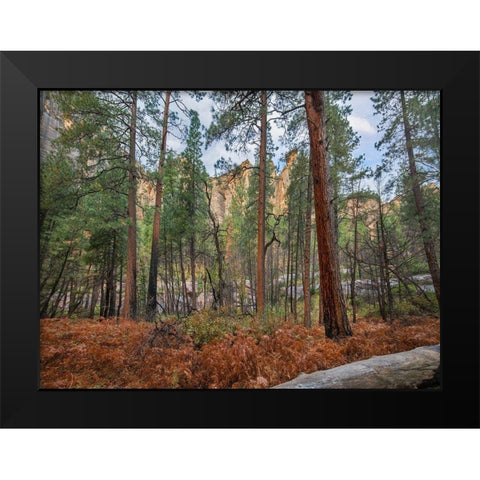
(23, 74)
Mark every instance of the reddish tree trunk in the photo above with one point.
(334, 311)
(261, 208)
(153, 272)
(130, 304)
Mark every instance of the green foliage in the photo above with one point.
(423, 113)
(208, 325)
(192, 176)
(84, 187)
(417, 304)
(84, 184)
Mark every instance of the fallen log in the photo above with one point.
(415, 369)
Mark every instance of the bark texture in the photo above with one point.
(334, 311)
(261, 208)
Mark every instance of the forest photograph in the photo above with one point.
(239, 239)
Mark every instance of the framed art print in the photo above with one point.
(239, 239)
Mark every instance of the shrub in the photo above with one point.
(214, 350)
(207, 325)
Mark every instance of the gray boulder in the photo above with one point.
(415, 369)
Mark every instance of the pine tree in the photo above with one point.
(130, 306)
(334, 311)
(261, 206)
(241, 117)
(83, 188)
(410, 121)
(195, 176)
(154, 256)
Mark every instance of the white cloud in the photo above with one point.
(202, 107)
(362, 125)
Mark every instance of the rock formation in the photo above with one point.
(224, 187)
(49, 123)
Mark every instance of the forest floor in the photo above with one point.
(210, 351)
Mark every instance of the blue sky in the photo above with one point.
(364, 123)
(361, 119)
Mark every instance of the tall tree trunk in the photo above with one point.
(428, 244)
(72, 297)
(381, 283)
(289, 282)
(261, 208)
(111, 280)
(292, 250)
(130, 304)
(93, 301)
(212, 286)
(385, 261)
(297, 251)
(272, 272)
(185, 303)
(354, 260)
(102, 295)
(166, 284)
(106, 291)
(253, 285)
(171, 274)
(78, 303)
(110, 283)
(120, 289)
(204, 284)
(177, 283)
(307, 320)
(61, 293)
(192, 271)
(44, 307)
(221, 281)
(334, 311)
(376, 294)
(276, 292)
(153, 272)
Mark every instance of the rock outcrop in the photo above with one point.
(415, 369)
(49, 124)
(224, 187)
